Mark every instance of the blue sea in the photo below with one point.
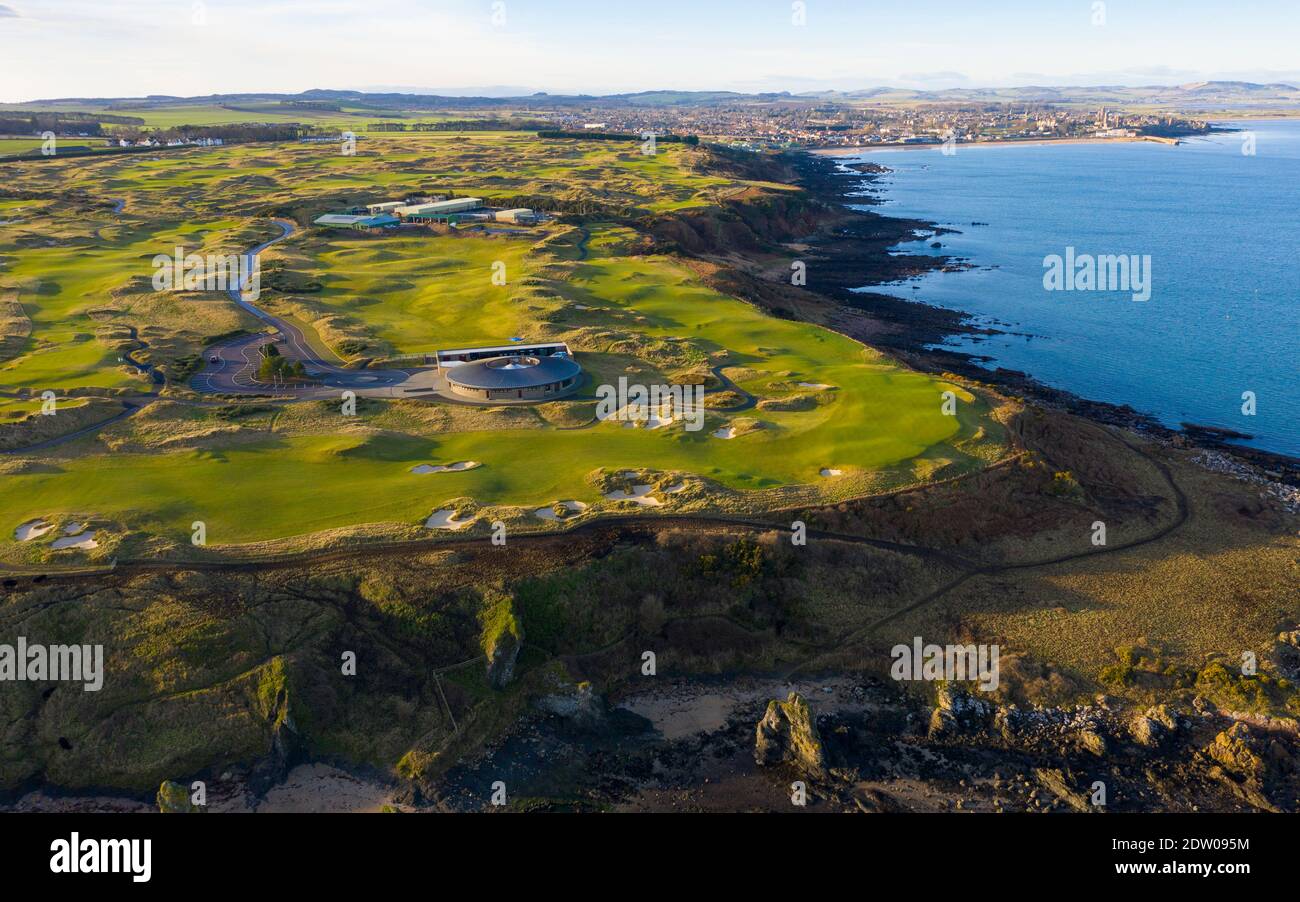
(1220, 228)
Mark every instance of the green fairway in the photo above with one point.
(81, 280)
(294, 486)
(422, 292)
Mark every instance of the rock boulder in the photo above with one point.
(788, 732)
(173, 798)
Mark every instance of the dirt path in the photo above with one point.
(1183, 513)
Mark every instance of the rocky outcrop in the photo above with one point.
(1236, 749)
(1252, 754)
(173, 798)
(580, 705)
(1286, 654)
(285, 752)
(1154, 727)
(1260, 762)
(501, 658)
(1060, 784)
(1092, 742)
(503, 637)
(788, 733)
(958, 713)
(287, 747)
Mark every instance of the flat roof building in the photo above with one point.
(386, 207)
(520, 215)
(457, 205)
(456, 356)
(360, 223)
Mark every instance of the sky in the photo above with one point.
(131, 48)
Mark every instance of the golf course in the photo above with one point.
(795, 413)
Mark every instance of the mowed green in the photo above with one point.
(423, 292)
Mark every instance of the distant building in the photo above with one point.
(454, 357)
(458, 205)
(359, 223)
(386, 207)
(521, 216)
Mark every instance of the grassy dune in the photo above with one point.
(79, 277)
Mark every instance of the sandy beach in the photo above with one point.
(1029, 142)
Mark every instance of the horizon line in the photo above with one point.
(436, 92)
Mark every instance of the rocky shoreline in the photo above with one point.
(857, 743)
(916, 326)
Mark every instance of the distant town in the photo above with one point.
(837, 125)
(753, 123)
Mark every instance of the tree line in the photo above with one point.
(458, 125)
(618, 136)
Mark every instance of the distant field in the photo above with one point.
(171, 116)
(12, 147)
(81, 273)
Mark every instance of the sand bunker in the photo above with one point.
(673, 489)
(820, 386)
(644, 415)
(457, 467)
(827, 471)
(725, 432)
(32, 529)
(446, 519)
(85, 541)
(548, 513)
(640, 494)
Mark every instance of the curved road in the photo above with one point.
(230, 366)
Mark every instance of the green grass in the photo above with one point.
(422, 292)
(69, 276)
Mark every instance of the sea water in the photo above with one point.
(1218, 220)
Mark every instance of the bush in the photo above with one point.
(739, 563)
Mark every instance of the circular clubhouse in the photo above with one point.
(514, 377)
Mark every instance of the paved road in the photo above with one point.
(230, 366)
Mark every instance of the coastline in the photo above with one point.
(915, 327)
